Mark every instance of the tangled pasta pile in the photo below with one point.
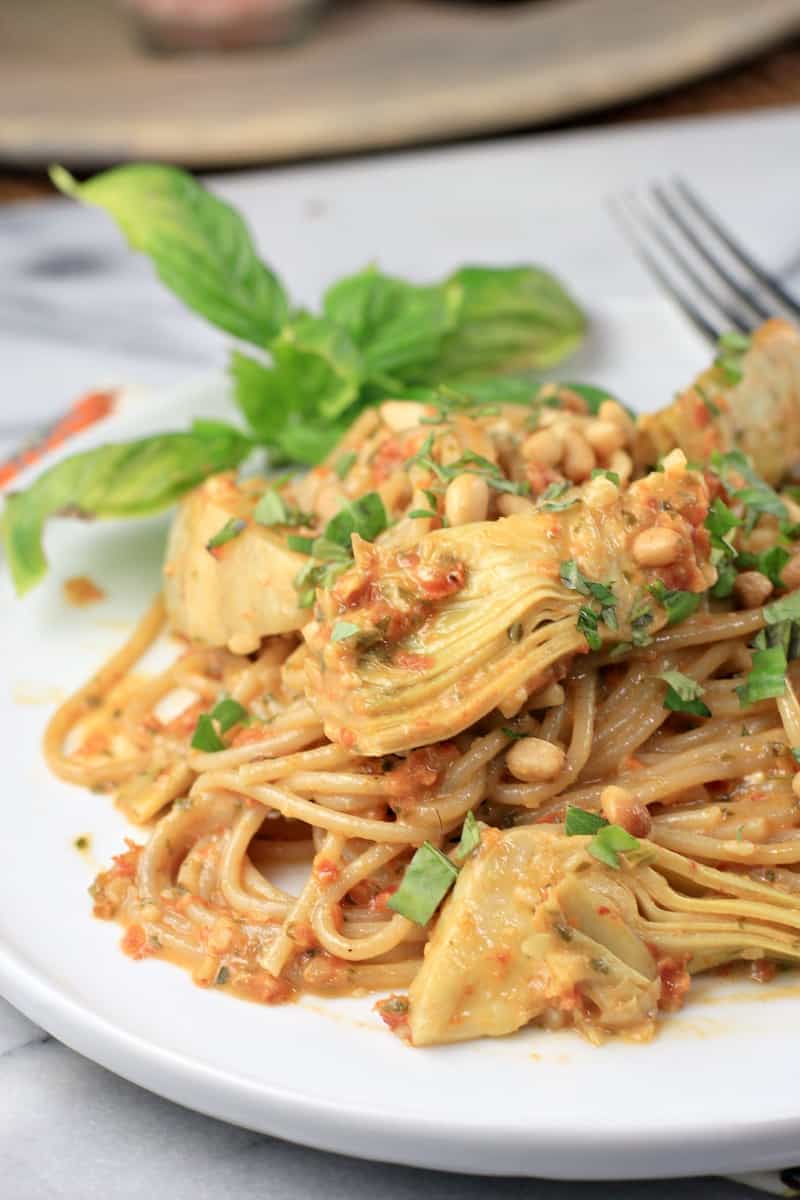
(494, 712)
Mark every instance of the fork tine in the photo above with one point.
(674, 252)
(673, 213)
(768, 281)
(686, 306)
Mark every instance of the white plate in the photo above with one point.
(717, 1091)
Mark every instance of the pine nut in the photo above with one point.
(534, 760)
(620, 807)
(610, 410)
(509, 505)
(621, 464)
(657, 547)
(402, 414)
(466, 499)
(604, 436)
(752, 588)
(674, 463)
(544, 447)
(579, 459)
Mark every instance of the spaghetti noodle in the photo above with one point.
(617, 811)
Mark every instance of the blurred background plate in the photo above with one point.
(76, 85)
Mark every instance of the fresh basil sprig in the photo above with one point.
(126, 479)
(376, 335)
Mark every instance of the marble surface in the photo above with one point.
(78, 310)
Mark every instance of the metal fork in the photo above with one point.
(702, 267)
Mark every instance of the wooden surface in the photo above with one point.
(768, 79)
(374, 74)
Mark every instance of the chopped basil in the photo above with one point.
(796, 753)
(205, 736)
(757, 497)
(677, 605)
(344, 462)
(428, 878)
(683, 694)
(572, 577)
(272, 509)
(343, 630)
(365, 516)
(332, 553)
(230, 530)
(601, 473)
(785, 609)
(228, 713)
(550, 499)
(223, 975)
(609, 842)
(470, 839)
(641, 619)
(427, 513)
(587, 625)
(719, 523)
(770, 563)
(515, 631)
(767, 677)
(513, 733)
(469, 463)
(580, 821)
(731, 349)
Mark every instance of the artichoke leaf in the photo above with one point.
(451, 627)
(751, 404)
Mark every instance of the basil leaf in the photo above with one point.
(272, 509)
(579, 821)
(199, 245)
(228, 713)
(205, 736)
(125, 479)
(470, 839)
(365, 516)
(428, 878)
(509, 319)
(304, 402)
(767, 677)
(343, 630)
(397, 326)
(609, 842)
(683, 694)
(230, 530)
(785, 609)
(587, 625)
(550, 499)
(601, 473)
(677, 605)
(719, 523)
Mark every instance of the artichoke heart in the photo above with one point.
(536, 929)
(414, 645)
(750, 402)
